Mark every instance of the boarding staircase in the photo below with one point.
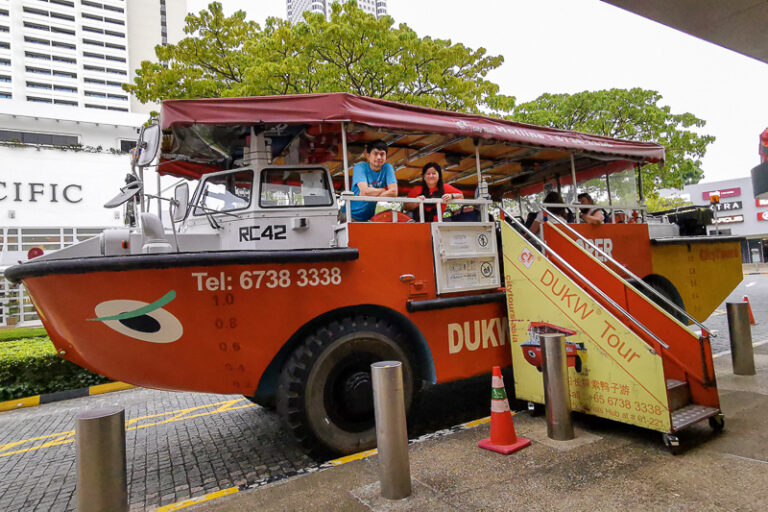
(687, 359)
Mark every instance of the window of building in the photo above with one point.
(62, 31)
(3, 28)
(116, 34)
(64, 74)
(38, 85)
(5, 95)
(40, 12)
(90, 105)
(116, 71)
(93, 29)
(64, 88)
(62, 16)
(63, 45)
(93, 55)
(38, 138)
(117, 97)
(5, 45)
(40, 71)
(37, 26)
(63, 59)
(116, 59)
(3, 12)
(94, 81)
(115, 46)
(65, 102)
(37, 40)
(35, 99)
(5, 62)
(127, 145)
(94, 94)
(63, 2)
(93, 68)
(4, 78)
(33, 55)
(119, 109)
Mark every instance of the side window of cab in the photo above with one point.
(292, 188)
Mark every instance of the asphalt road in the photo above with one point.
(183, 445)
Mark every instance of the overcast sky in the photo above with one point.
(567, 46)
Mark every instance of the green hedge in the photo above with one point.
(21, 332)
(31, 367)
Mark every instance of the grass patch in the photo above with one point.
(31, 366)
(22, 332)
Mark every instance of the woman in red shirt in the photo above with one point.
(432, 186)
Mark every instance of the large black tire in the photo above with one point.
(668, 290)
(325, 394)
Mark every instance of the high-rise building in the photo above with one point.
(297, 8)
(66, 124)
(78, 53)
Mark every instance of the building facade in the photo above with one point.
(66, 124)
(297, 8)
(738, 213)
(78, 53)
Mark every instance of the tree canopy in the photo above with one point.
(350, 52)
(633, 114)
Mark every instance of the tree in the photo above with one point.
(633, 114)
(352, 51)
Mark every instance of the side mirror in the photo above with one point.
(181, 196)
(149, 143)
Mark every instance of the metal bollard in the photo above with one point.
(557, 400)
(742, 353)
(391, 432)
(101, 474)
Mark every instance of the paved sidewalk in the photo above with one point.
(609, 466)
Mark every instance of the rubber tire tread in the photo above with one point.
(292, 383)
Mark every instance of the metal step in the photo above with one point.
(690, 414)
(679, 394)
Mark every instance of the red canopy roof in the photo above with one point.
(338, 107)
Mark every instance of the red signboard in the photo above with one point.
(723, 193)
(761, 202)
(762, 215)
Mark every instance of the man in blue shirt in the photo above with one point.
(373, 178)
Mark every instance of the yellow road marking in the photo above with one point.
(171, 416)
(354, 456)
(10, 405)
(201, 499)
(476, 422)
(109, 387)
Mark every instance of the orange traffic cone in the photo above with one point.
(503, 438)
(749, 307)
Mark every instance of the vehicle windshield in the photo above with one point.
(225, 192)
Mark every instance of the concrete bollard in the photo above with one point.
(391, 431)
(557, 399)
(101, 473)
(742, 353)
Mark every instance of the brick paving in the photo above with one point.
(167, 463)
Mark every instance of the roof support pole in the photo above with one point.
(477, 163)
(345, 158)
(574, 191)
(641, 192)
(610, 199)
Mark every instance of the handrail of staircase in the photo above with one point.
(510, 216)
(629, 273)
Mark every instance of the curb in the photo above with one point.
(313, 469)
(33, 401)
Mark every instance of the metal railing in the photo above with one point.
(628, 272)
(590, 284)
(610, 208)
(348, 196)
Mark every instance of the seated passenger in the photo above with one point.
(372, 178)
(592, 215)
(432, 186)
(563, 213)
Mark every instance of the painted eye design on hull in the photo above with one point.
(141, 320)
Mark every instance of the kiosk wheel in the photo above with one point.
(325, 392)
(672, 442)
(717, 422)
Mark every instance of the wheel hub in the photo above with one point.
(357, 393)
